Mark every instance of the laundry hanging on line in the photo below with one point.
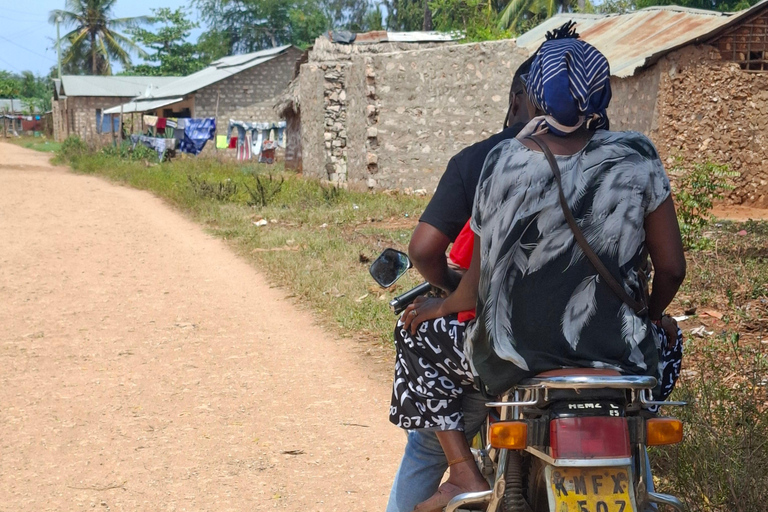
(197, 132)
(254, 135)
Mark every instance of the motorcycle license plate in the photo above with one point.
(590, 489)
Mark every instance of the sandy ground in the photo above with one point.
(739, 213)
(143, 366)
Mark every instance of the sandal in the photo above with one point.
(437, 502)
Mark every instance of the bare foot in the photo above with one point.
(463, 478)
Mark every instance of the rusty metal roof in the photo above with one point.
(638, 39)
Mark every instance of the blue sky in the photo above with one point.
(27, 39)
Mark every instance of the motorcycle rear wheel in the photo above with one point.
(514, 499)
(538, 497)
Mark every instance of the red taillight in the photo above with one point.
(589, 437)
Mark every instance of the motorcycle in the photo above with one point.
(570, 440)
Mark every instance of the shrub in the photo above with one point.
(72, 147)
(697, 188)
(722, 465)
(217, 190)
(127, 151)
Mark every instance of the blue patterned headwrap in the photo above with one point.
(569, 81)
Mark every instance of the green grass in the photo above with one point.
(36, 143)
(318, 242)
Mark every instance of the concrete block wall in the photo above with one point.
(249, 95)
(77, 116)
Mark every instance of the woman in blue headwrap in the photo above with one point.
(541, 304)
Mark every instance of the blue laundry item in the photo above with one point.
(196, 133)
(102, 122)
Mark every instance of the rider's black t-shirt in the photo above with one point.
(451, 206)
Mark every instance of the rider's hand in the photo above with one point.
(669, 325)
(420, 310)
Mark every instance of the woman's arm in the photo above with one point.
(463, 298)
(665, 246)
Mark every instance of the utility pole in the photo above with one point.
(58, 45)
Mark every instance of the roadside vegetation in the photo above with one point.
(37, 143)
(317, 241)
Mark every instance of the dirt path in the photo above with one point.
(739, 213)
(145, 367)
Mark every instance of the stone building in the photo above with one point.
(241, 87)
(79, 102)
(388, 116)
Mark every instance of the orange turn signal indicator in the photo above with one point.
(512, 435)
(661, 431)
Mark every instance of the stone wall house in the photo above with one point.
(390, 115)
(79, 102)
(240, 87)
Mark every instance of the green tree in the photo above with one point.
(306, 26)
(346, 14)
(94, 37)
(34, 90)
(252, 25)
(374, 19)
(522, 14)
(9, 85)
(478, 19)
(213, 45)
(405, 15)
(172, 53)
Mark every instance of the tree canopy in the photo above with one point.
(94, 37)
(171, 52)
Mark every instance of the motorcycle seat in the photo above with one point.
(586, 394)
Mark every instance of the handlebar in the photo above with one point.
(400, 302)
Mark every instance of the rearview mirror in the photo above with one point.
(389, 267)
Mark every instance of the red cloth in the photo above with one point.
(232, 142)
(161, 123)
(461, 254)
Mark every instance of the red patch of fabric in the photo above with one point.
(461, 254)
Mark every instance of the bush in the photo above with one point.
(722, 465)
(72, 147)
(696, 190)
(127, 151)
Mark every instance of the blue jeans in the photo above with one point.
(424, 463)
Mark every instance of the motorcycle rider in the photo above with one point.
(524, 252)
(424, 463)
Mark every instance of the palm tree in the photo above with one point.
(94, 38)
(515, 10)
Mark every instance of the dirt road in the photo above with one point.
(145, 367)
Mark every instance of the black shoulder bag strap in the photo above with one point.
(639, 308)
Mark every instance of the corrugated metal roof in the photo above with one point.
(638, 39)
(217, 71)
(143, 105)
(15, 106)
(423, 37)
(115, 86)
